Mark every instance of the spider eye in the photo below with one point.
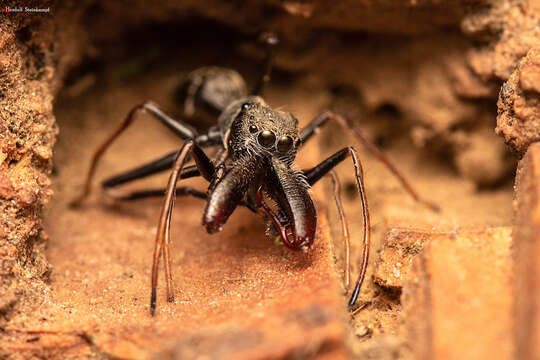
(266, 138)
(284, 144)
(253, 129)
(245, 106)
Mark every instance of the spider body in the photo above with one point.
(257, 148)
(262, 144)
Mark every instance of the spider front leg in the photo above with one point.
(206, 168)
(320, 120)
(180, 128)
(155, 166)
(158, 165)
(161, 164)
(315, 174)
(153, 193)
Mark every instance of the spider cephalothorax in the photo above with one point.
(252, 127)
(262, 144)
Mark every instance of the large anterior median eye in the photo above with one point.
(266, 138)
(284, 144)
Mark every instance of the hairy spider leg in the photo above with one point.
(317, 172)
(153, 167)
(320, 120)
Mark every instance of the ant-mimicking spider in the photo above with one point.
(257, 146)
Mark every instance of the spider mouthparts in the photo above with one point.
(303, 245)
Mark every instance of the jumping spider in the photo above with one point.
(257, 147)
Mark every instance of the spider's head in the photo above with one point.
(255, 128)
(263, 143)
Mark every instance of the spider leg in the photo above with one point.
(180, 191)
(150, 193)
(270, 41)
(153, 167)
(163, 233)
(160, 164)
(316, 173)
(319, 121)
(181, 129)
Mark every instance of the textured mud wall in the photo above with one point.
(519, 104)
(35, 52)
